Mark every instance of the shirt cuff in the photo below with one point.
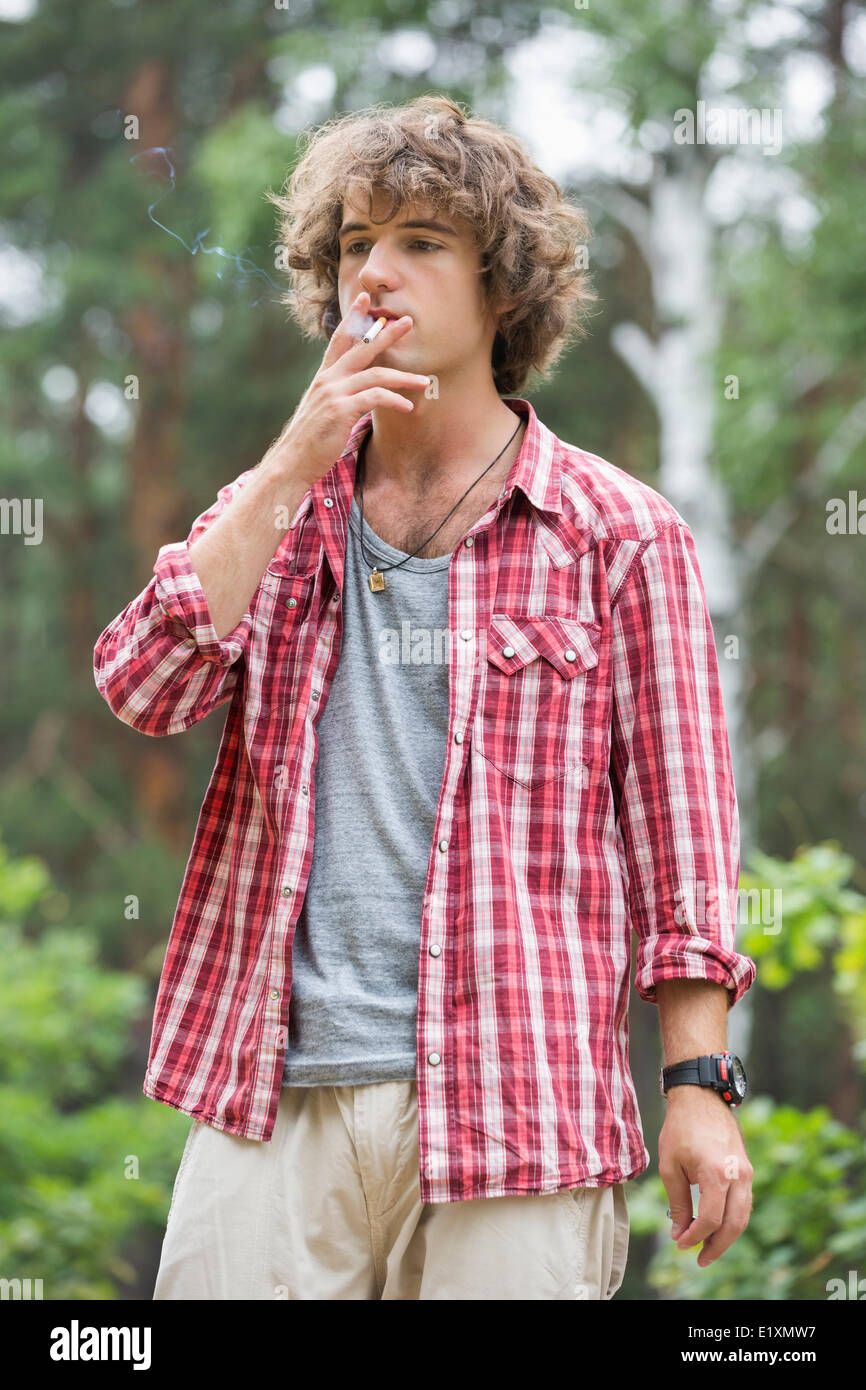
(182, 599)
(673, 956)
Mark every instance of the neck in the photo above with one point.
(443, 444)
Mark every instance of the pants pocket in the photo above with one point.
(184, 1159)
(577, 1201)
(620, 1240)
(599, 1217)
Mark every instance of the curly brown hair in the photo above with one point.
(429, 151)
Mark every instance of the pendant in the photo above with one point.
(376, 581)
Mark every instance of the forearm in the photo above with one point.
(693, 1019)
(701, 1144)
(233, 554)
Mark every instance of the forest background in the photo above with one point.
(146, 361)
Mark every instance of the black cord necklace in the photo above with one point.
(376, 580)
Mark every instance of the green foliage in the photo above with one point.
(63, 1018)
(78, 1190)
(808, 1221)
(81, 1176)
(820, 920)
(23, 881)
(235, 163)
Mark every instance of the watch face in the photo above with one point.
(738, 1076)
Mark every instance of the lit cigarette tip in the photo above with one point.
(374, 331)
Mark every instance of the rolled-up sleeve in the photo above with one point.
(671, 772)
(160, 665)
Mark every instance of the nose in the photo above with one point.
(377, 274)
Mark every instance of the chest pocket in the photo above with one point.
(538, 695)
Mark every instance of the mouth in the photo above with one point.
(364, 327)
(377, 320)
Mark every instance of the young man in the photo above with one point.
(475, 737)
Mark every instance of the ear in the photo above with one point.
(505, 305)
(500, 307)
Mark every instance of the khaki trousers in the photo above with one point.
(330, 1208)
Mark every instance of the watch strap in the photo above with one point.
(697, 1071)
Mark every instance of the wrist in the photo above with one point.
(280, 464)
(721, 1072)
(688, 1094)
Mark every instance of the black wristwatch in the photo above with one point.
(723, 1071)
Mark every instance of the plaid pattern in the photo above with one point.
(587, 792)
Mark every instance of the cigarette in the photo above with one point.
(374, 331)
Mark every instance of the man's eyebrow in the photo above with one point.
(441, 227)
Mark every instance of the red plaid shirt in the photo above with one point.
(587, 791)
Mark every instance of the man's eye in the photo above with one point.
(352, 248)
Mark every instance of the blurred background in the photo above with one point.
(720, 152)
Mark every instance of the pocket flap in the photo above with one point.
(514, 640)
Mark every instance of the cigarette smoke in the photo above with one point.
(357, 324)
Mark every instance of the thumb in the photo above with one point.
(680, 1209)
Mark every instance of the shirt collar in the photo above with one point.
(536, 470)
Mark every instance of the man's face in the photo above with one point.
(431, 270)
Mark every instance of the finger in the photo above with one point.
(711, 1214)
(738, 1208)
(679, 1192)
(341, 338)
(359, 353)
(386, 376)
(378, 396)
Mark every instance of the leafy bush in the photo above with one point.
(808, 1221)
(81, 1176)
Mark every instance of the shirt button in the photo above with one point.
(443, 844)
(287, 892)
(507, 651)
(291, 603)
(275, 994)
(571, 654)
(470, 540)
(467, 634)
(305, 790)
(434, 1059)
(315, 695)
(435, 950)
(458, 738)
(329, 501)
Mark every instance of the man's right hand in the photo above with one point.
(344, 388)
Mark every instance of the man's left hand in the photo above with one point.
(702, 1143)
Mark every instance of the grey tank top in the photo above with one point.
(354, 1001)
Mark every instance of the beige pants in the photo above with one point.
(330, 1208)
